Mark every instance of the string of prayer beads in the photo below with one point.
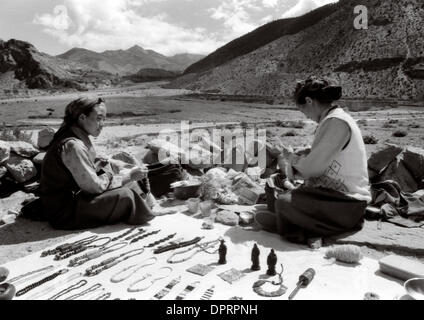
(133, 269)
(124, 234)
(69, 289)
(80, 248)
(95, 254)
(40, 282)
(161, 241)
(178, 245)
(199, 248)
(109, 263)
(132, 288)
(67, 246)
(33, 274)
(144, 236)
(93, 288)
(138, 233)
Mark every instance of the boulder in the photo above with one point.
(45, 137)
(38, 159)
(14, 202)
(227, 218)
(126, 157)
(382, 158)
(24, 149)
(3, 172)
(413, 158)
(4, 151)
(20, 168)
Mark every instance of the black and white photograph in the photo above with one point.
(229, 153)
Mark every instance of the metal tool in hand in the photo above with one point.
(304, 280)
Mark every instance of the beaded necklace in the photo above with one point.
(54, 286)
(257, 286)
(133, 269)
(69, 289)
(67, 246)
(33, 274)
(109, 263)
(140, 232)
(174, 246)
(80, 248)
(40, 282)
(124, 234)
(167, 289)
(187, 290)
(96, 254)
(144, 236)
(200, 247)
(91, 289)
(148, 275)
(160, 241)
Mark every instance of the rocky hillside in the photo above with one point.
(22, 66)
(151, 74)
(384, 61)
(124, 62)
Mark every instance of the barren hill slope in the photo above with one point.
(386, 60)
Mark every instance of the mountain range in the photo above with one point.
(384, 61)
(125, 62)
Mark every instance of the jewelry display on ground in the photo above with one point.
(208, 294)
(78, 285)
(133, 269)
(144, 236)
(200, 247)
(167, 289)
(257, 286)
(40, 282)
(96, 254)
(110, 262)
(91, 289)
(187, 290)
(174, 246)
(80, 248)
(132, 287)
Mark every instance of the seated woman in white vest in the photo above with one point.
(336, 191)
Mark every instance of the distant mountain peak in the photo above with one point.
(136, 48)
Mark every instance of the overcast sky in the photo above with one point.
(166, 26)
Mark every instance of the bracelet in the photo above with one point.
(134, 268)
(187, 290)
(132, 289)
(167, 289)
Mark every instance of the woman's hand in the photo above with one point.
(138, 173)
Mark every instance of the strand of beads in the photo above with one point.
(174, 246)
(132, 288)
(30, 275)
(109, 263)
(91, 289)
(78, 261)
(138, 233)
(161, 241)
(67, 246)
(47, 290)
(144, 236)
(40, 282)
(80, 248)
(124, 234)
(199, 248)
(133, 269)
(78, 285)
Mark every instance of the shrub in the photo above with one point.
(370, 139)
(400, 133)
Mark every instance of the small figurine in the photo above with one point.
(255, 258)
(271, 261)
(222, 253)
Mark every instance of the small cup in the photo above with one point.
(205, 208)
(193, 205)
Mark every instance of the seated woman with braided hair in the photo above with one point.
(75, 187)
(336, 191)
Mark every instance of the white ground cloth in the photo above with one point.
(333, 281)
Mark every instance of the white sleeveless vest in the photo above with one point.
(348, 170)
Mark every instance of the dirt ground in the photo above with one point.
(133, 109)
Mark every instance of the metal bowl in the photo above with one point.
(415, 288)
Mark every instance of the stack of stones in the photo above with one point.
(20, 167)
